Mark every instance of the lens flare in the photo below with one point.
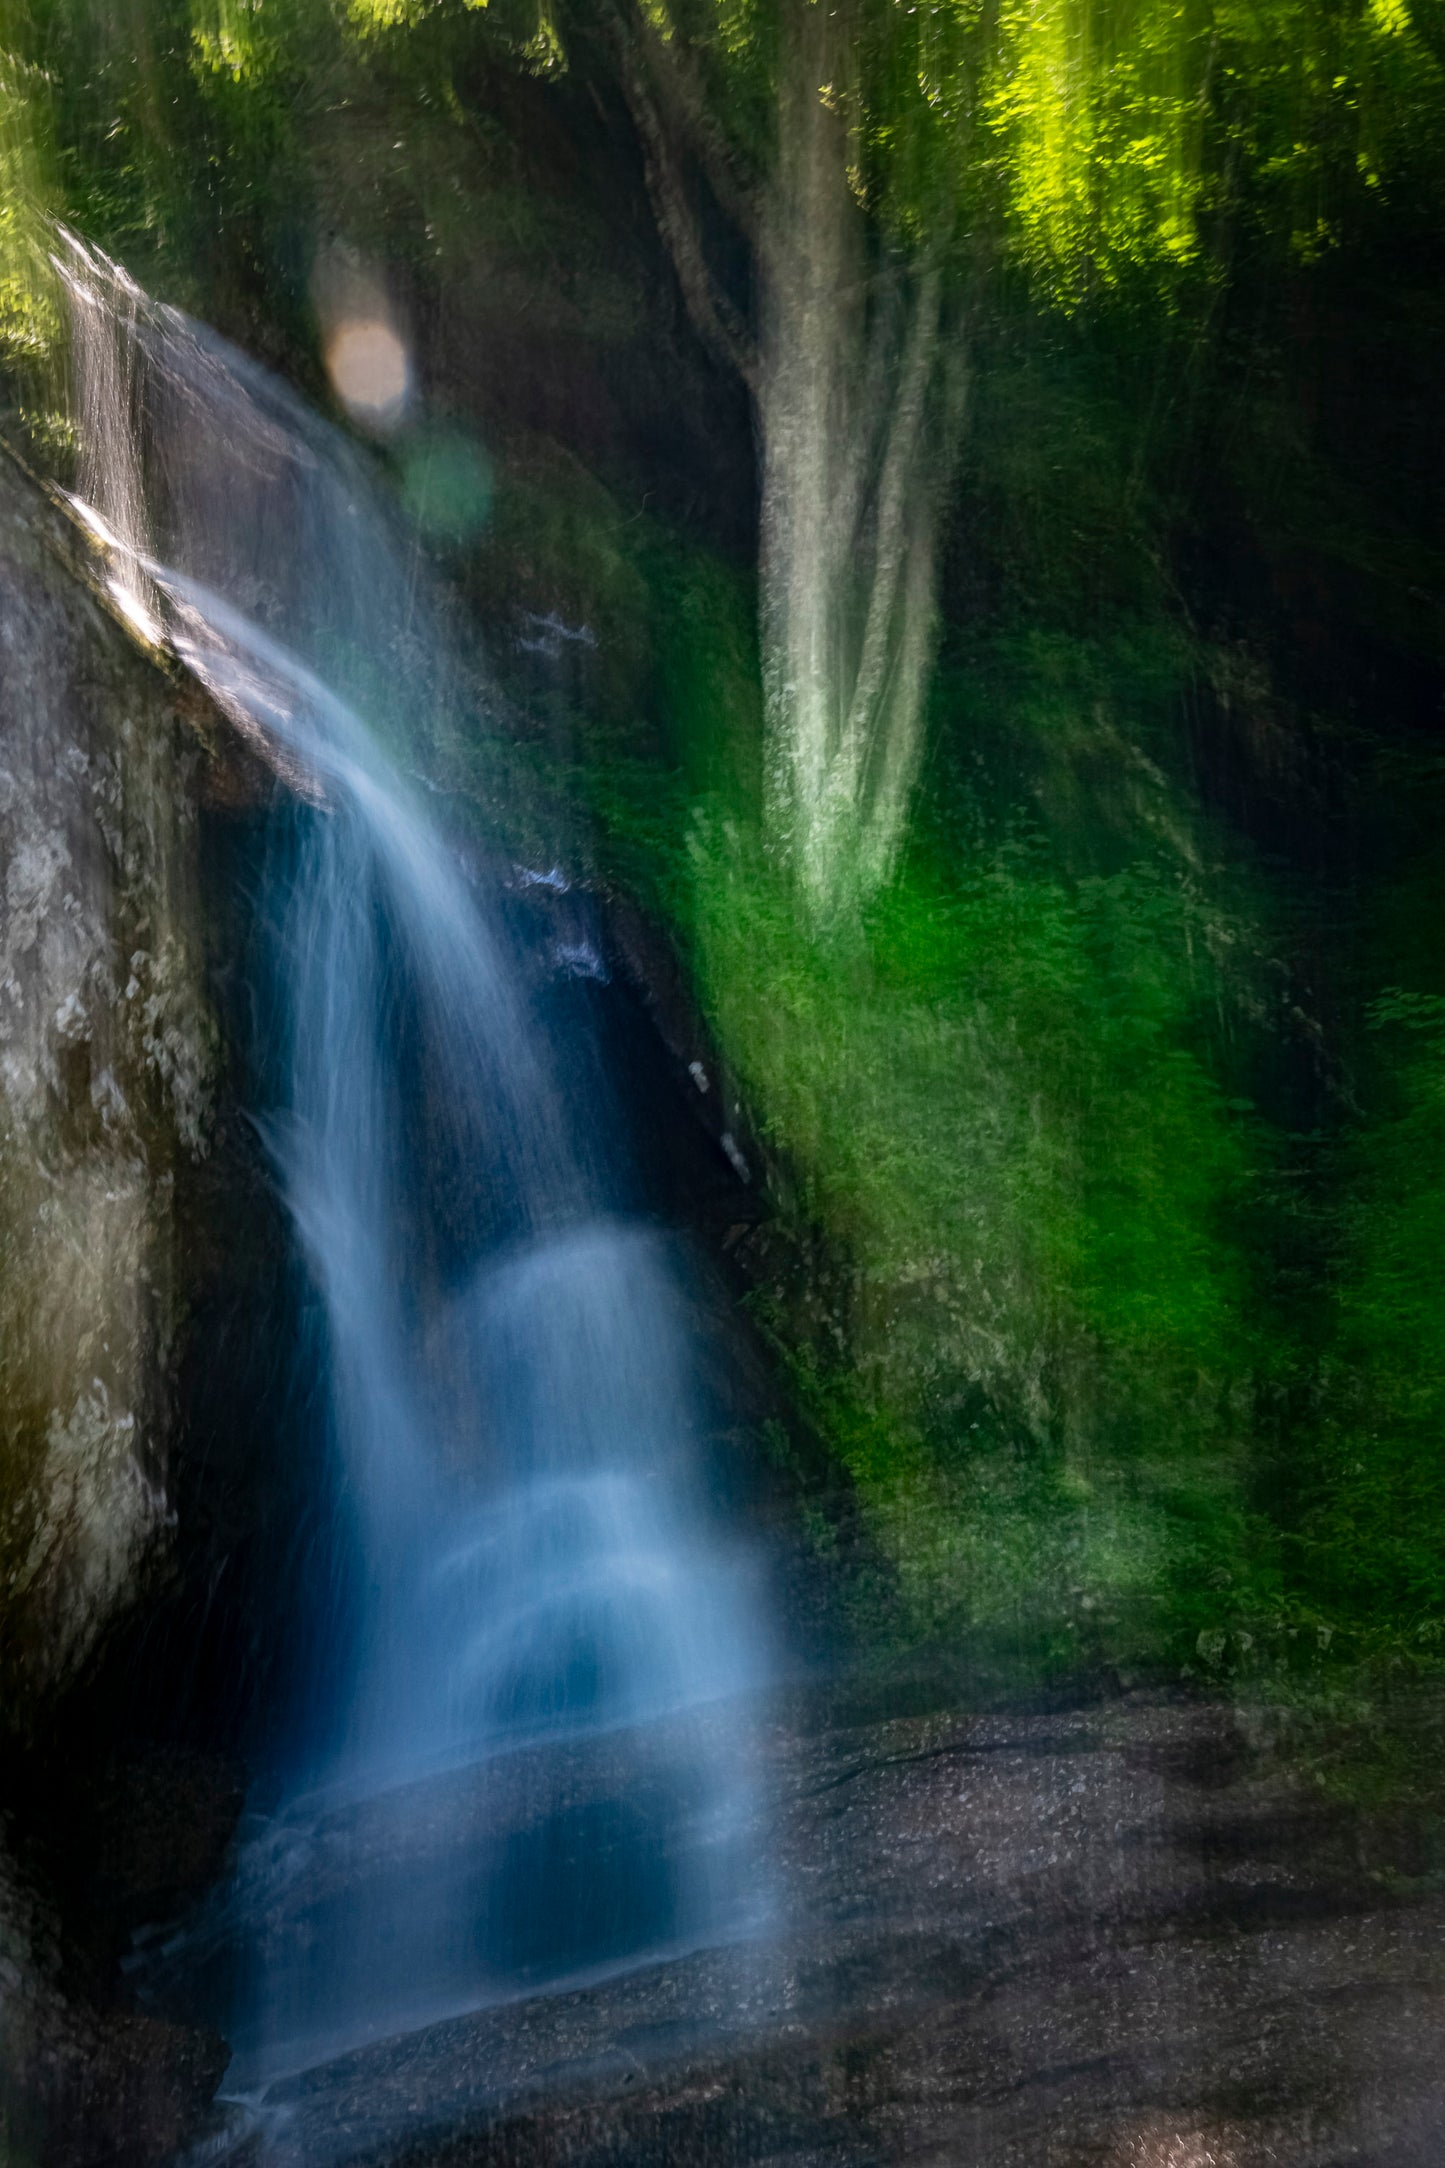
(370, 370)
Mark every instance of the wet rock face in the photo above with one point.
(106, 1068)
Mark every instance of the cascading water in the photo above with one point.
(521, 1754)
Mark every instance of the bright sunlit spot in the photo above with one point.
(92, 520)
(134, 611)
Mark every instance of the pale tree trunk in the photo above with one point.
(858, 387)
(859, 400)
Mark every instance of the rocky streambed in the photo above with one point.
(1128, 1935)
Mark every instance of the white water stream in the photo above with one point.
(524, 1757)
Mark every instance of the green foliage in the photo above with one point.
(1371, 1540)
(1098, 115)
(1393, 1307)
(1024, 1107)
(195, 139)
(1106, 142)
(1004, 1100)
(996, 1102)
(29, 320)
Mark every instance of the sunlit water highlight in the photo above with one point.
(523, 1754)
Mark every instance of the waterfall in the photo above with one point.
(523, 1754)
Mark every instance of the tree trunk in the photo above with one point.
(858, 388)
(858, 394)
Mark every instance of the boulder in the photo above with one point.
(107, 1067)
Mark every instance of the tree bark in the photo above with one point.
(858, 401)
(857, 386)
